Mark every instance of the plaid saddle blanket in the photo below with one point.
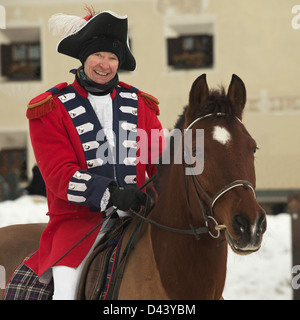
(24, 285)
(99, 270)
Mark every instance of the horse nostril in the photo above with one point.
(240, 224)
(261, 224)
(258, 233)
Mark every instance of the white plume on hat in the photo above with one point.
(63, 25)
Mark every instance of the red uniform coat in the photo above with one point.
(60, 156)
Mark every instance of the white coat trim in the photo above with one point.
(130, 179)
(129, 126)
(129, 144)
(129, 95)
(131, 161)
(76, 186)
(78, 199)
(82, 176)
(77, 112)
(84, 128)
(67, 97)
(94, 163)
(90, 145)
(130, 110)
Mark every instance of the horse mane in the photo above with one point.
(216, 103)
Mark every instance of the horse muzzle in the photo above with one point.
(246, 238)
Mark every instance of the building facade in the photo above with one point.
(174, 41)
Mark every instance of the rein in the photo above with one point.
(207, 217)
(147, 208)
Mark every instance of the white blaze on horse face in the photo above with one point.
(221, 135)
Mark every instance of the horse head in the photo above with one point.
(226, 185)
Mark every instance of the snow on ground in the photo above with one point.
(264, 275)
(26, 209)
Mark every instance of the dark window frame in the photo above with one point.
(24, 68)
(191, 51)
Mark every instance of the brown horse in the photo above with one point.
(16, 242)
(171, 265)
(203, 210)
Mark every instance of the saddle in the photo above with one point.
(99, 268)
(102, 273)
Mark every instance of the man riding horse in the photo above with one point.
(77, 133)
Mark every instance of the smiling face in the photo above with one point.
(101, 67)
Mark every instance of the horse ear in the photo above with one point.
(237, 95)
(198, 95)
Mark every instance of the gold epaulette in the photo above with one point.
(43, 103)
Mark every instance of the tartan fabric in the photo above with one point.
(101, 265)
(108, 275)
(112, 266)
(99, 269)
(24, 285)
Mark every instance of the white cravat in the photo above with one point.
(104, 111)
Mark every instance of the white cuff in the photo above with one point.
(105, 199)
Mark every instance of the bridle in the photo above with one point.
(211, 200)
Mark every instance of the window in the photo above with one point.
(13, 162)
(12, 172)
(190, 46)
(187, 52)
(21, 55)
